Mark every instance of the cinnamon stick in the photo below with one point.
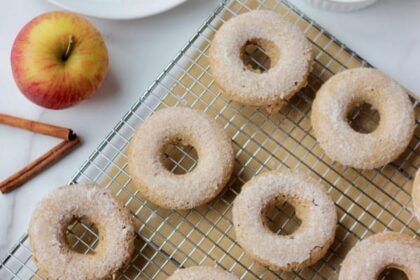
(37, 166)
(37, 127)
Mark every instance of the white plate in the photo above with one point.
(117, 9)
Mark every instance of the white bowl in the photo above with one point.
(117, 9)
(342, 5)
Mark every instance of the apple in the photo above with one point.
(58, 60)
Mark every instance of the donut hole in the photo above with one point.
(280, 218)
(179, 158)
(363, 117)
(82, 236)
(259, 55)
(392, 273)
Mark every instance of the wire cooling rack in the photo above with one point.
(367, 201)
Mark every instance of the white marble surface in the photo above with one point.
(385, 34)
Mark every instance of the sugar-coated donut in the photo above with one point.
(286, 45)
(416, 195)
(186, 127)
(313, 207)
(47, 234)
(343, 92)
(370, 257)
(202, 273)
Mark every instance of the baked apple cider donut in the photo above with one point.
(313, 207)
(416, 195)
(202, 273)
(288, 50)
(370, 257)
(47, 234)
(177, 125)
(346, 91)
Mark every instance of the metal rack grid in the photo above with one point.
(367, 201)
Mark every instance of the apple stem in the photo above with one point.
(69, 48)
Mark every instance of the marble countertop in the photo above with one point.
(386, 34)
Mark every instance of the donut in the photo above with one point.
(371, 256)
(47, 234)
(202, 273)
(416, 195)
(283, 42)
(178, 125)
(313, 207)
(344, 92)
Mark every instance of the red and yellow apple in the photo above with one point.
(59, 59)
